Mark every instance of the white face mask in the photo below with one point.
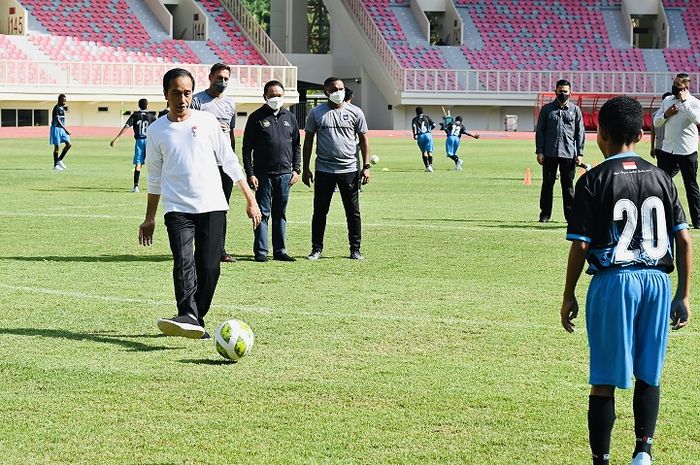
(337, 97)
(275, 103)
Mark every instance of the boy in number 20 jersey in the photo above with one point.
(625, 220)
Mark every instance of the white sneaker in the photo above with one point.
(181, 326)
(460, 162)
(58, 167)
(429, 169)
(642, 458)
(62, 165)
(135, 189)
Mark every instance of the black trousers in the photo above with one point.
(567, 170)
(348, 185)
(227, 186)
(688, 165)
(195, 241)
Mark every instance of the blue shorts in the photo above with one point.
(140, 152)
(627, 319)
(58, 135)
(425, 142)
(451, 145)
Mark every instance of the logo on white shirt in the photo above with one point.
(194, 131)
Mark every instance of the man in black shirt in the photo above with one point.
(139, 120)
(559, 142)
(272, 162)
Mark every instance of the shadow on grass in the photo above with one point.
(85, 189)
(120, 340)
(206, 361)
(93, 258)
(486, 223)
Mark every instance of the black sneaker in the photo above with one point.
(356, 255)
(181, 326)
(226, 258)
(544, 219)
(283, 257)
(314, 255)
(261, 258)
(206, 335)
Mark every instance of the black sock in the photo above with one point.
(55, 157)
(601, 418)
(63, 153)
(430, 159)
(646, 410)
(137, 174)
(425, 161)
(454, 158)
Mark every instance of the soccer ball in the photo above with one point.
(233, 339)
(374, 159)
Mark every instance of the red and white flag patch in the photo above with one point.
(629, 165)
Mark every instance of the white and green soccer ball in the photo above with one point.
(233, 339)
(374, 159)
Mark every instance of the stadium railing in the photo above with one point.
(256, 34)
(72, 74)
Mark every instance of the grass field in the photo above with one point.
(442, 347)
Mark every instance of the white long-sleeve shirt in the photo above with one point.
(182, 160)
(680, 130)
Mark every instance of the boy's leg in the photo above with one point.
(646, 411)
(601, 419)
(137, 174)
(66, 148)
(55, 155)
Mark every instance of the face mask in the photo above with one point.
(337, 97)
(275, 103)
(562, 97)
(675, 90)
(220, 86)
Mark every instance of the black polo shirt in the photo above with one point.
(271, 143)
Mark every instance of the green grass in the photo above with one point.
(443, 347)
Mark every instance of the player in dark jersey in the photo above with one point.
(422, 126)
(454, 131)
(139, 120)
(625, 218)
(59, 134)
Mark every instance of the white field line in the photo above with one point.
(407, 224)
(276, 311)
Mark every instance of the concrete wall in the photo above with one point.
(162, 15)
(476, 118)
(183, 21)
(421, 18)
(13, 24)
(662, 32)
(289, 25)
(452, 26)
(641, 7)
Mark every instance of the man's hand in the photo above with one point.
(683, 95)
(680, 313)
(671, 111)
(294, 179)
(253, 182)
(540, 158)
(307, 177)
(476, 136)
(146, 232)
(569, 311)
(253, 212)
(365, 176)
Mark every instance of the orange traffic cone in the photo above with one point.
(527, 181)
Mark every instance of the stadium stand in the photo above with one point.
(685, 60)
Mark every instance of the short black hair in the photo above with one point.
(143, 103)
(348, 94)
(684, 76)
(459, 118)
(419, 110)
(666, 94)
(272, 83)
(174, 74)
(60, 96)
(217, 66)
(328, 81)
(621, 118)
(563, 82)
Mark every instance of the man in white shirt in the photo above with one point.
(679, 116)
(184, 151)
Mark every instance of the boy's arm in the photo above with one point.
(569, 305)
(680, 306)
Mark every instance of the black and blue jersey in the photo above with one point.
(422, 124)
(455, 129)
(628, 211)
(58, 116)
(140, 120)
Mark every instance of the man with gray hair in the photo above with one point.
(679, 116)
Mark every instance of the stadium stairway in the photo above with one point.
(148, 20)
(409, 25)
(654, 59)
(472, 39)
(677, 33)
(205, 54)
(615, 25)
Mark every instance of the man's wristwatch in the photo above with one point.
(367, 166)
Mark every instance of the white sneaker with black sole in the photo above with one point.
(57, 167)
(641, 458)
(460, 162)
(62, 165)
(181, 326)
(429, 169)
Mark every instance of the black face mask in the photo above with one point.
(675, 90)
(562, 97)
